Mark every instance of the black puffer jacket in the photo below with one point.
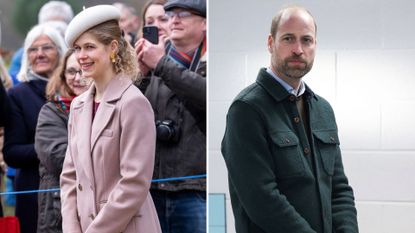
(51, 141)
(179, 95)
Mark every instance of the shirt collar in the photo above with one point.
(287, 86)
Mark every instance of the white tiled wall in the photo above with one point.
(364, 67)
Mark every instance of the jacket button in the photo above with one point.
(296, 119)
(80, 187)
(91, 216)
(306, 151)
(287, 141)
(292, 98)
(332, 139)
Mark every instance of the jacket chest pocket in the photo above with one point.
(328, 147)
(287, 155)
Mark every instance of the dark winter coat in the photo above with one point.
(26, 99)
(3, 113)
(178, 94)
(50, 144)
(281, 179)
(3, 105)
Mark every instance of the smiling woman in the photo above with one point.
(43, 48)
(51, 138)
(43, 56)
(111, 143)
(153, 14)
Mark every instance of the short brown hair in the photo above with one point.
(277, 18)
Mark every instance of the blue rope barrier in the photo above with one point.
(31, 191)
(178, 178)
(58, 189)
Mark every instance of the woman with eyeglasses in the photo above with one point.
(43, 48)
(51, 138)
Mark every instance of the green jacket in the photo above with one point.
(280, 182)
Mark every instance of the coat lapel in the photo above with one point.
(106, 109)
(102, 117)
(83, 124)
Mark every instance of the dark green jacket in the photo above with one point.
(279, 181)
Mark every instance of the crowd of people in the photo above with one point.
(95, 111)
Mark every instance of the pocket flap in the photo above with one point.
(327, 136)
(106, 133)
(283, 139)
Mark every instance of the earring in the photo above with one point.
(112, 57)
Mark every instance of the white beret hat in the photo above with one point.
(89, 18)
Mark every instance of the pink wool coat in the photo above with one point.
(109, 163)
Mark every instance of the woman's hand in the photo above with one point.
(149, 54)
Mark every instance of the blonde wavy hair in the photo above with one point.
(125, 61)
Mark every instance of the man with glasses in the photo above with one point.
(176, 88)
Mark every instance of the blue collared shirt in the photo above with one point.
(287, 86)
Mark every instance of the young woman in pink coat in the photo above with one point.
(109, 161)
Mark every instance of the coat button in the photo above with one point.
(296, 119)
(287, 141)
(306, 151)
(332, 139)
(91, 216)
(80, 187)
(292, 98)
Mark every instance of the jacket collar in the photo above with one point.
(31, 75)
(113, 92)
(89, 130)
(275, 89)
(38, 86)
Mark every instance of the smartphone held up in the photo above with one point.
(151, 33)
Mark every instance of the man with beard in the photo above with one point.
(281, 145)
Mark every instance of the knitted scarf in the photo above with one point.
(186, 59)
(63, 103)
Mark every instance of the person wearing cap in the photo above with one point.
(175, 84)
(109, 161)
